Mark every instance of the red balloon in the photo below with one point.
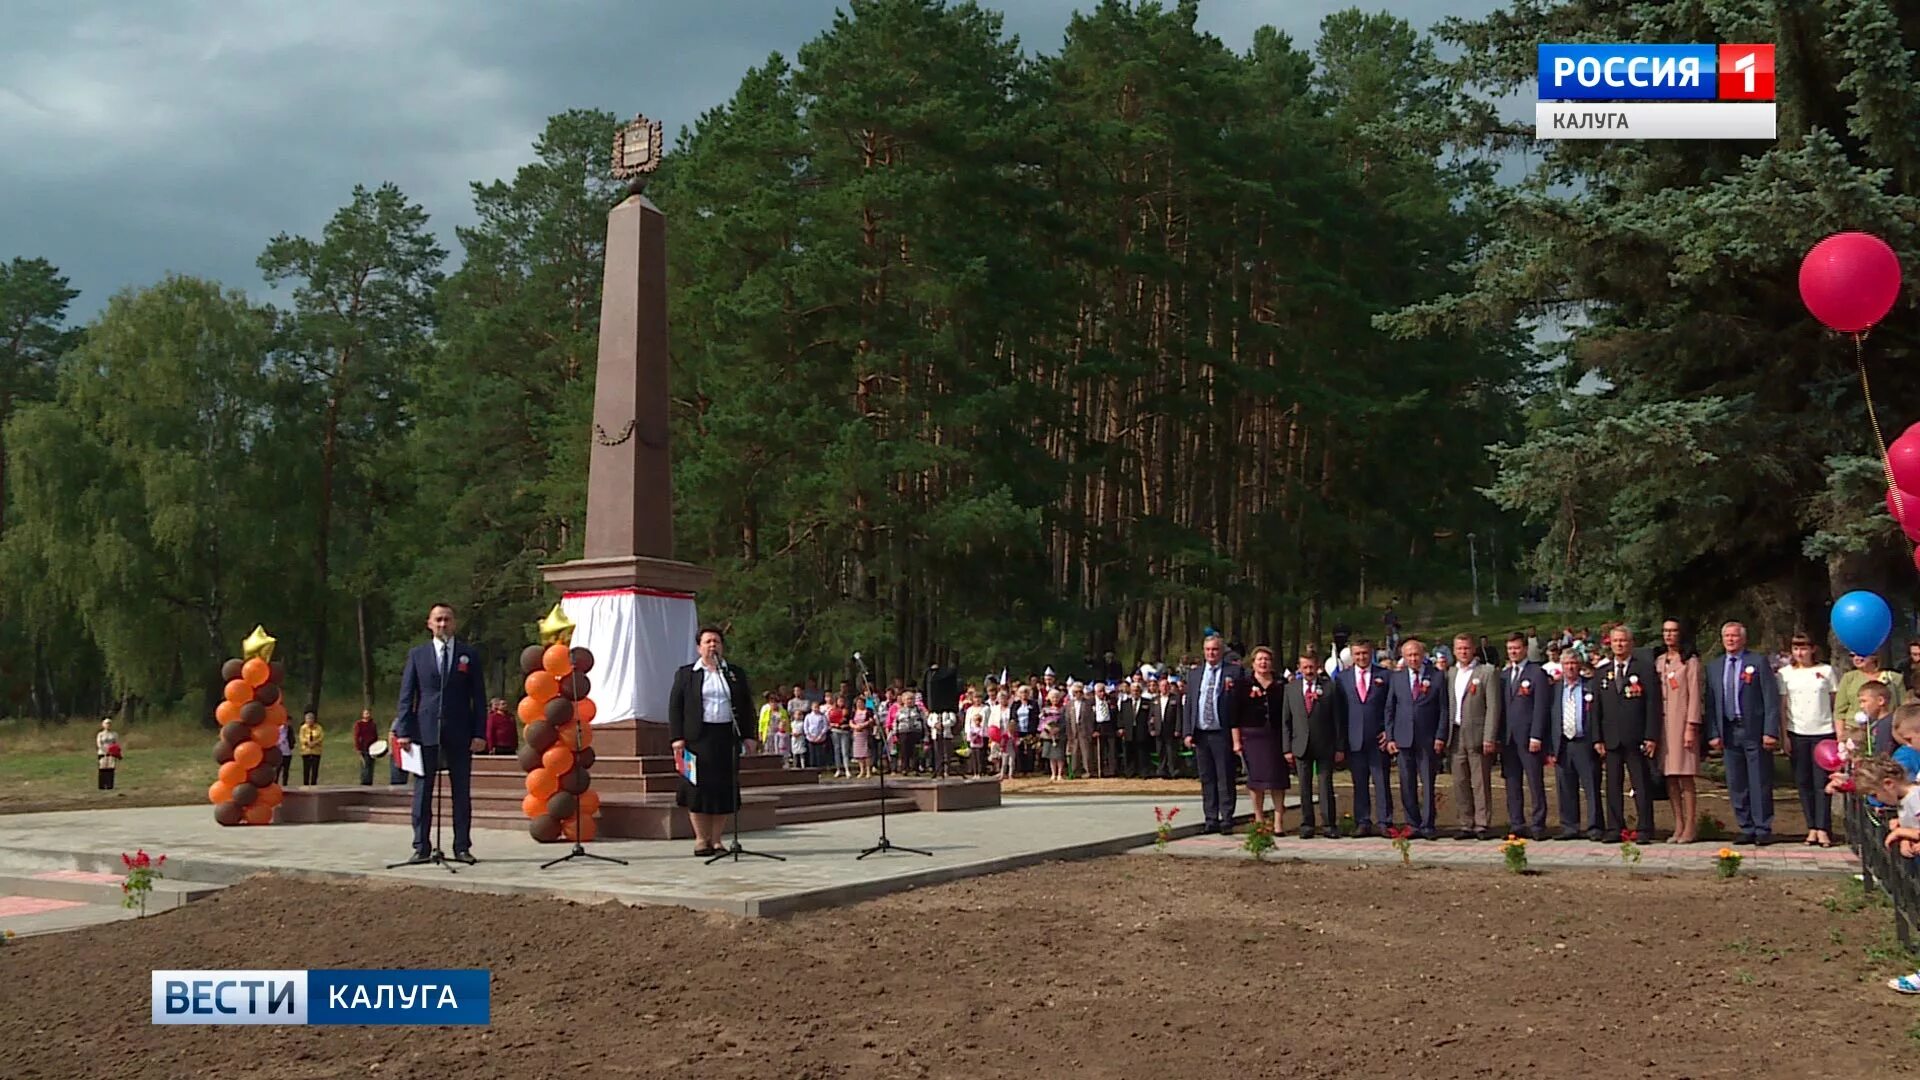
(1903, 458)
(1849, 281)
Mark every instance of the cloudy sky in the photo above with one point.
(180, 135)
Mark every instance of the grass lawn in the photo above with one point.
(167, 762)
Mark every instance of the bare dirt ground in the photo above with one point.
(1117, 967)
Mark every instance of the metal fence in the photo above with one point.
(1881, 868)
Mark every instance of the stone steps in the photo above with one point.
(835, 811)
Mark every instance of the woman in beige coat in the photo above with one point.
(1680, 705)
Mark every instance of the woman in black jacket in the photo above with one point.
(710, 713)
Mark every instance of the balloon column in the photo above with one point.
(556, 747)
(251, 717)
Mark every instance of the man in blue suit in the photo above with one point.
(1363, 697)
(1528, 709)
(1416, 733)
(443, 709)
(1570, 737)
(1743, 718)
(1207, 719)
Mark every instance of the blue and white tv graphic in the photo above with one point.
(323, 997)
(1632, 91)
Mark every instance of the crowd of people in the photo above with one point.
(1615, 721)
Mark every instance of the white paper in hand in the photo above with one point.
(410, 760)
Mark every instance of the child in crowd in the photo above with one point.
(776, 725)
(863, 737)
(1887, 781)
(1053, 739)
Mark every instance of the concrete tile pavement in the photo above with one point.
(1541, 854)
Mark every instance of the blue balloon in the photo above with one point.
(1862, 621)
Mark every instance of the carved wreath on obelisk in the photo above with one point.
(636, 150)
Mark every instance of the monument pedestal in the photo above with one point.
(637, 615)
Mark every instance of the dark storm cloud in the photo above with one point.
(180, 135)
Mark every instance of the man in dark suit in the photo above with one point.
(1570, 750)
(443, 709)
(1164, 725)
(1416, 733)
(1629, 723)
(1315, 740)
(1135, 742)
(1528, 709)
(1363, 702)
(1207, 720)
(1743, 719)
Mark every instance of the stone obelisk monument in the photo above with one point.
(631, 603)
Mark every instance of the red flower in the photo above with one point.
(1628, 836)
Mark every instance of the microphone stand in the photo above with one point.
(883, 845)
(438, 856)
(579, 851)
(734, 850)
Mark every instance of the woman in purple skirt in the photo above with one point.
(1258, 741)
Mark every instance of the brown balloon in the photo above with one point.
(222, 751)
(253, 712)
(272, 756)
(541, 735)
(559, 711)
(584, 758)
(576, 686)
(263, 774)
(235, 733)
(562, 804)
(266, 694)
(528, 756)
(531, 658)
(276, 673)
(229, 813)
(582, 660)
(575, 781)
(545, 828)
(230, 670)
(244, 794)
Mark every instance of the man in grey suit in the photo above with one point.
(1315, 735)
(1473, 737)
(1208, 718)
(1743, 720)
(1079, 720)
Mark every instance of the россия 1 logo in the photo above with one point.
(1655, 92)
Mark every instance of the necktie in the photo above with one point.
(446, 654)
(1207, 700)
(1733, 687)
(1360, 682)
(1313, 694)
(1570, 720)
(1513, 677)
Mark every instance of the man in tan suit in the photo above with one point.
(1079, 721)
(1473, 736)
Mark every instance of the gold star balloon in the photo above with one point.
(259, 643)
(556, 627)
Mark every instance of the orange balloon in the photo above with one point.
(276, 714)
(227, 713)
(272, 795)
(558, 758)
(581, 831)
(589, 803)
(568, 732)
(255, 672)
(247, 756)
(542, 782)
(556, 661)
(259, 814)
(239, 692)
(265, 735)
(530, 711)
(533, 805)
(542, 687)
(220, 792)
(584, 712)
(233, 772)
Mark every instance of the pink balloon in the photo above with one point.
(1850, 280)
(1899, 499)
(1826, 754)
(1903, 457)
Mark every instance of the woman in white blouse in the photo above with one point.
(1806, 705)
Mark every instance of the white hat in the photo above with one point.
(1048, 673)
